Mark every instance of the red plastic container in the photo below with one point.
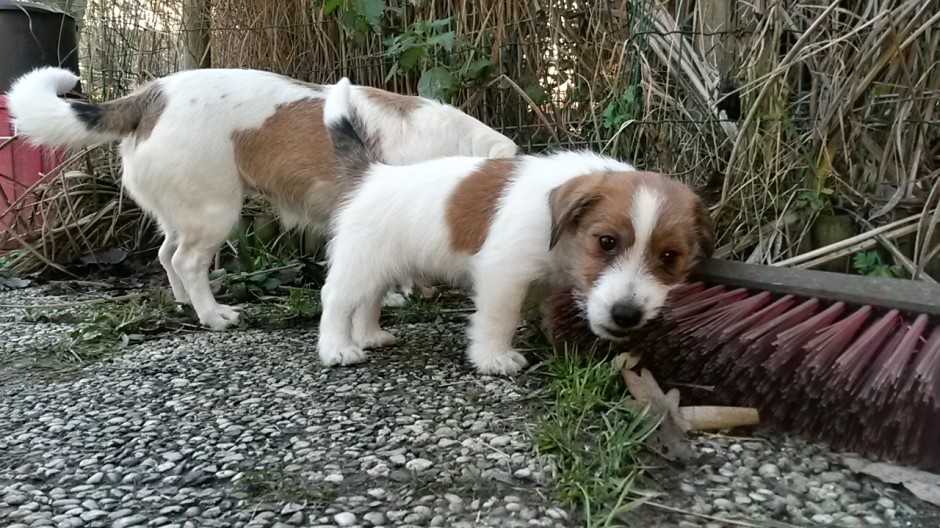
(21, 166)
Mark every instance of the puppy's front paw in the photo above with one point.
(221, 318)
(496, 361)
(342, 355)
(378, 339)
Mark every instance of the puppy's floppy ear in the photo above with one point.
(705, 229)
(568, 203)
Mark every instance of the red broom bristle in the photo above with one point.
(775, 341)
(788, 352)
(753, 344)
(922, 391)
(838, 387)
(860, 381)
(882, 386)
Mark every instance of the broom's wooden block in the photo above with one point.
(905, 295)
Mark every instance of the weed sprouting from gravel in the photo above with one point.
(104, 329)
(277, 484)
(117, 324)
(594, 437)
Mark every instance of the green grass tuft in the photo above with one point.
(594, 437)
(109, 327)
(415, 310)
(115, 325)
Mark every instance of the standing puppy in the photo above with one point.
(195, 142)
(620, 238)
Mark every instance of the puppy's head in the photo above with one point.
(626, 239)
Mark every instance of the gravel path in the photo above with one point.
(246, 429)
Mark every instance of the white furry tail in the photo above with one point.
(44, 118)
(336, 106)
(352, 155)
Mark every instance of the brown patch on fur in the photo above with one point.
(682, 230)
(151, 113)
(595, 205)
(289, 159)
(471, 207)
(586, 208)
(396, 104)
(135, 114)
(309, 85)
(705, 226)
(393, 102)
(569, 201)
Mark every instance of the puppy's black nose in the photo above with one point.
(626, 315)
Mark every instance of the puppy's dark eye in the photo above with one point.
(668, 258)
(607, 242)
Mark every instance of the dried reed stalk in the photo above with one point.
(839, 99)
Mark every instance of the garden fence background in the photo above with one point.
(801, 122)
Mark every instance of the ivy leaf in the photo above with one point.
(331, 5)
(271, 284)
(410, 58)
(440, 23)
(392, 71)
(371, 10)
(239, 291)
(436, 83)
(479, 68)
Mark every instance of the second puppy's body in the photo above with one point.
(194, 143)
(621, 238)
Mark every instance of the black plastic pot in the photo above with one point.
(34, 35)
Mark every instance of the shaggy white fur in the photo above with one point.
(179, 155)
(561, 220)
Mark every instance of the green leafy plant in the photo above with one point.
(302, 304)
(530, 85)
(817, 201)
(7, 258)
(258, 270)
(357, 17)
(869, 263)
(242, 286)
(118, 324)
(446, 59)
(622, 108)
(415, 310)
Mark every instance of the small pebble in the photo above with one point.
(345, 519)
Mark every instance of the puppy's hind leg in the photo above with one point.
(191, 262)
(171, 242)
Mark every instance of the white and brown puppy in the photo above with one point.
(194, 142)
(504, 228)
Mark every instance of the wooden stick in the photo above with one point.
(713, 418)
(809, 255)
